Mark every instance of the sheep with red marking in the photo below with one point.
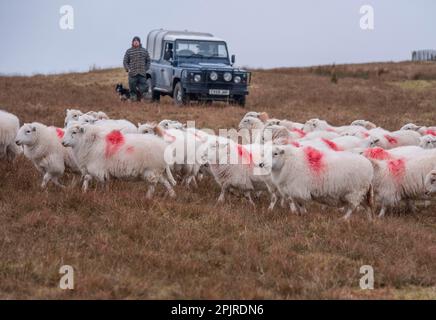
(232, 166)
(103, 154)
(124, 126)
(342, 143)
(9, 125)
(322, 125)
(401, 178)
(420, 129)
(42, 145)
(332, 178)
(394, 139)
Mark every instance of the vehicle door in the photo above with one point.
(165, 69)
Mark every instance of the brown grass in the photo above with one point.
(123, 246)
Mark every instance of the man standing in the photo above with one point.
(136, 63)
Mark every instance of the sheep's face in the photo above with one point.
(72, 135)
(27, 135)
(252, 114)
(410, 126)
(272, 122)
(374, 142)
(277, 158)
(87, 119)
(72, 115)
(102, 116)
(430, 183)
(313, 125)
(428, 142)
(147, 128)
(249, 123)
(170, 124)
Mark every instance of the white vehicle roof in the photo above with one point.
(155, 38)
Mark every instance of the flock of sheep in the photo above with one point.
(357, 166)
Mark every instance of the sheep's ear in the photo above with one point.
(139, 124)
(33, 128)
(263, 116)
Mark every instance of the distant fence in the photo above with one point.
(424, 55)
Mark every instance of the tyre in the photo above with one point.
(179, 95)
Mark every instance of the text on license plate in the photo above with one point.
(219, 92)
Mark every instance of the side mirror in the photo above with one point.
(233, 58)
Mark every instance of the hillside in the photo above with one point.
(123, 246)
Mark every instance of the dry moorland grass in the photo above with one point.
(123, 246)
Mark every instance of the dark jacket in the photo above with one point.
(136, 61)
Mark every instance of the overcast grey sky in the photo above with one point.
(261, 33)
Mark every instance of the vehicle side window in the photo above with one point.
(168, 52)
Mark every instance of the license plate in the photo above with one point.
(219, 92)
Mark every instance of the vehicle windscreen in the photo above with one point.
(201, 49)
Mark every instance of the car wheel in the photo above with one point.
(179, 95)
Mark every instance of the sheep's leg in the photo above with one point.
(168, 187)
(273, 201)
(301, 209)
(151, 178)
(283, 202)
(86, 179)
(410, 206)
(222, 194)
(47, 177)
(382, 211)
(293, 207)
(348, 213)
(248, 196)
(56, 182)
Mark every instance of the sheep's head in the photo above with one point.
(171, 124)
(87, 119)
(314, 125)
(250, 123)
(430, 183)
(73, 134)
(72, 115)
(102, 116)
(428, 142)
(278, 158)
(272, 122)
(364, 123)
(27, 135)
(410, 126)
(374, 141)
(147, 128)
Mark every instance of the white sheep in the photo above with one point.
(72, 115)
(332, 178)
(232, 166)
(394, 139)
(428, 142)
(42, 145)
(364, 123)
(103, 154)
(9, 125)
(290, 125)
(111, 124)
(322, 125)
(420, 129)
(401, 178)
(430, 183)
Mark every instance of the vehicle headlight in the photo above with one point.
(197, 78)
(227, 76)
(213, 76)
(237, 79)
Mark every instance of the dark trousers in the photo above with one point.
(137, 83)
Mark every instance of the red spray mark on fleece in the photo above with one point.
(130, 149)
(365, 134)
(244, 154)
(397, 168)
(330, 130)
(431, 132)
(60, 133)
(391, 139)
(332, 145)
(377, 153)
(114, 141)
(315, 159)
(300, 132)
(295, 144)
